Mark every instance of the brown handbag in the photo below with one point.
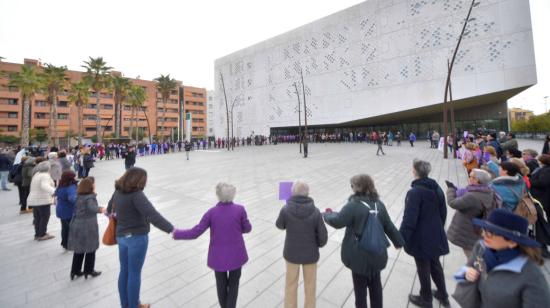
(109, 237)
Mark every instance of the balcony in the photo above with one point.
(10, 121)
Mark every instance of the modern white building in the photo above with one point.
(382, 63)
(210, 94)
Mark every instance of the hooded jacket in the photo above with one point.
(510, 189)
(424, 220)
(305, 230)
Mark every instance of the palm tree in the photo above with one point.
(121, 87)
(80, 95)
(165, 85)
(136, 98)
(28, 81)
(98, 77)
(53, 79)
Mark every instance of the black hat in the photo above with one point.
(509, 225)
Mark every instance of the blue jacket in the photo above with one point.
(66, 199)
(510, 189)
(423, 222)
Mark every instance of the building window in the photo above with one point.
(63, 116)
(12, 115)
(13, 89)
(63, 104)
(91, 106)
(41, 104)
(195, 94)
(90, 129)
(106, 106)
(12, 128)
(40, 115)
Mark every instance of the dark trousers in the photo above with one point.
(41, 217)
(380, 150)
(360, 285)
(24, 194)
(426, 268)
(89, 264)
(227, 284)
(65, 232)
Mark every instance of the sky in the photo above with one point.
(183, 38)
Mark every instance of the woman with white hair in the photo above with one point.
(40, 198)
(55, 167)
(477, 200)
(305, 233)
(227, 252)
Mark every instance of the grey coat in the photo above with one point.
(461, 232)
(518, 283)
(65, 164)
(305, 230)
(83, 231)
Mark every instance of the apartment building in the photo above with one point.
(182, 99)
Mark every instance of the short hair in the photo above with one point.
(61, 154)
(510, 168)
(470, 146)
(544, 159)
(521, 165)
(134, 179)
(362, 184)
(482, 176)
(43, 166)
(491, 150)
(514, 152)
(225, 192)
(300, 188)
(67, 178)
(530, 152)
(512, 135)
(422, 168)
(86, 186)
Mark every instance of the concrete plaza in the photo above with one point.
(36, 274)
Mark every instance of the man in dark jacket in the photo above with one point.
(187, 148)
(305, 233)
(130, 158)
(424, 234)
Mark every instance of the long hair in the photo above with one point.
(363, 185)
(134, 179)
(86, 186)
(534, 254)
(67, 179)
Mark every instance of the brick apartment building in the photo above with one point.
(183, 99)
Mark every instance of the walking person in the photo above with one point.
(134, 212)
(87, 162)
(476, 200)
(505, 267)
(5, 166)
(130, 158)
(227, 252)
(64, 161)
(305, 233)
(365, 266)
(422, 228)
(378, 139)
(412, 138)
(398, 138)
(40, 197)
(187, 147)
(66, 200)
(84, 231)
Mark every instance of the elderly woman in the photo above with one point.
(504, 266)
(84, 231)
(66, 199)
(363, 206)
(523, 170)
(490, 161)
(227, 252)
(134, 214)
(510, 185)
(423, 230)
(40, 198)
(470, 161)
(64, 161)
(305, 233)
(476, 200)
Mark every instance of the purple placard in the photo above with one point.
(285, 190)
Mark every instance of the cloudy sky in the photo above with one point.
(183, 38)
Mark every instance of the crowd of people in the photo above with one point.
(503, 246)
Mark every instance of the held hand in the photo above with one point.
(471, 274)
(102, 210)
(328, 210)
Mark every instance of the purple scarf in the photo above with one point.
(477, 187)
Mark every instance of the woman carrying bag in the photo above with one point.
(504, 269)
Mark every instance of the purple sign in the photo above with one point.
(285, 190)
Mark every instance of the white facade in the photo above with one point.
(375, 58)
(210, 94)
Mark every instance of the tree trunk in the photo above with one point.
(163, 117)
(148, 126)
(80, 111)
(98, 118)
(118, 120)
(26, 122)
(54, 116)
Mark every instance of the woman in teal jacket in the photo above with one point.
(510, 186)
(365, 266)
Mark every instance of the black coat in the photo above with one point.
(130, 158)
(305, 230)
(540, 186)
(424, 220)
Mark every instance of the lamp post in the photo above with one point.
(305, 114)
(299, 118)
(448, 80)
(226, 108)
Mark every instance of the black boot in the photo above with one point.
(419, 301)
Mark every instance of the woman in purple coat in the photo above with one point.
(227, 253)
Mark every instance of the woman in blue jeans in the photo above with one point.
(133, 212)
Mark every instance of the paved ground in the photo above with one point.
(36, 274)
